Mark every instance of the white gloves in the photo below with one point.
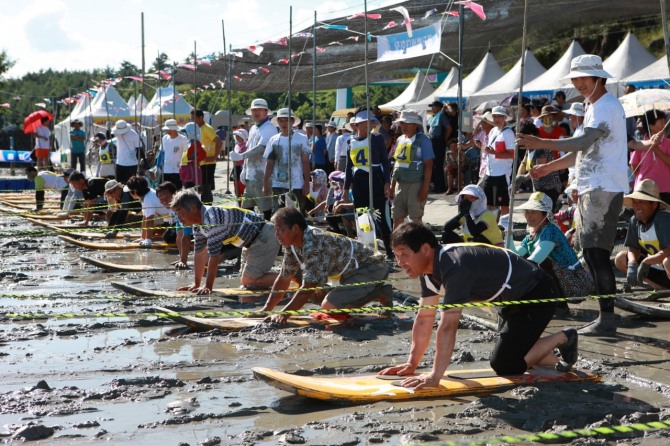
(145, 243)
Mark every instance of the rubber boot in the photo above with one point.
(605, 325)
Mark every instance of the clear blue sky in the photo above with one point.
(87, 34)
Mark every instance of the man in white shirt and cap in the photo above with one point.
(173, 145)
(128, 146)
(254, 163)
(499, 160)
(601, 158)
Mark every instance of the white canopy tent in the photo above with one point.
(418, 89)
(655, 75)
(97, 115)
(628, 59)
(447, 83)
(509, 83)
(166, 105)
(487, 72)
(548, 83)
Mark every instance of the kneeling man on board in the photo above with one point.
(317, 255)
(45, 179)
(473, 273)
(648, 238)
(214, 228)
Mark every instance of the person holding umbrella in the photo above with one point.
(42, 136)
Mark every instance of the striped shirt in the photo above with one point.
(230, 225)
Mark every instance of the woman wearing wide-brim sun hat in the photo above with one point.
(647, 243)
(547, 246)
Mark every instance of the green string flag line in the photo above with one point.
(561, 437)
(257, 313)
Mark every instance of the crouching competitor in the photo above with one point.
(317, 255)
(475, 273)
(214, 228)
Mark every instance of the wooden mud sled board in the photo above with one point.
(371, 388)
(114, 246)
(123, 268)
(239, 323)
(230, 293)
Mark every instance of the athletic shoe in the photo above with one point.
(605, 325)
(569, 351)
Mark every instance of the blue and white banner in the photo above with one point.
(401, 46)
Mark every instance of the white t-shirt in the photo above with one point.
(496, 167)
(151, 205)
(173, 149)
(44, 132)
(603, 166)
(254, 166)
(126, 155)
(279, 145)
(341, 145)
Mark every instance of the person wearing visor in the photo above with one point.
(601, 160)
(363, 161)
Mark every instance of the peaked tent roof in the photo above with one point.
(487, 72)
(106, 107)
(139, 104)
(418, 89)
(165, 104)
(447, 83)
(654, 75)
(550, 82)
(509, 83)
(628, 59)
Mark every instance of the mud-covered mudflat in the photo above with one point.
(134, 378)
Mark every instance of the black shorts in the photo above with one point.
(520, 326)
(496, 190)
(659, 277)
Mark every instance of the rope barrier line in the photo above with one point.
(560, 436)
(300, 312)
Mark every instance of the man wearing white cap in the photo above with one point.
(499, 160)
(276, 178)
(128, 147)
(363, 161)
(331, 138)
(173, 145)
(601, 158)
(254, 164)
(412, 171)
(648, 238)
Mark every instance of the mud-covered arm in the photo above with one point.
(575, 144)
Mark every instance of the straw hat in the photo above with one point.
(548, 110)
(586, 65)
(488, 118)
(121, 128)
(171, 124)
(538, 201)
(646, 190)
(111, 184)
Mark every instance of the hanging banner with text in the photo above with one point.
(401, 46)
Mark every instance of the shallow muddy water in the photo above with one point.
(139, 379)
